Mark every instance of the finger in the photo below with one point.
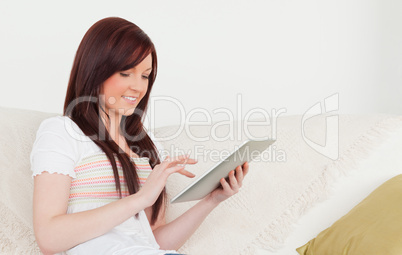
(245, 168)
(180, 170)
(181, 159)
(239, 175)
(187, 160)
(174, 169)
(168, 162)
(233, 182)
(186, 173)
(225, 185)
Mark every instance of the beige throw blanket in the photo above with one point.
(274, 195)
(276, 192)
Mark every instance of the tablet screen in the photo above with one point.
(210, 180)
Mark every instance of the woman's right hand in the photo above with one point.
(156, 180)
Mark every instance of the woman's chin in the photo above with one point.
(129, 112)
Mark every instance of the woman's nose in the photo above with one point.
(139, 84)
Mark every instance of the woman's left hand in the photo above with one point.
(229, 189)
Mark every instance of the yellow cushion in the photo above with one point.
(374, 226)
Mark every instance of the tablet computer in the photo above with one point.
(210, 180)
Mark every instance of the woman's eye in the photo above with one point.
(127, 75)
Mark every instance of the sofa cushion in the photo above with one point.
(371, 227)
(18, 129)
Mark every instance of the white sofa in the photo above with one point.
(275, 194)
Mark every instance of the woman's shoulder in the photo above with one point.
(62, 136)
(55, 122)
(63, 126)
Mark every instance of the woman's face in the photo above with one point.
(124, 90)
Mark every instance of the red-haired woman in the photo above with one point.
(99, 182)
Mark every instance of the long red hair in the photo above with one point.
(111, 45)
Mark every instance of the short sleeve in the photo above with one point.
(159, 146)
(54, 149)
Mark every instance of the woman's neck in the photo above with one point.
(112, 125)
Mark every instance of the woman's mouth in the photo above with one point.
(130, 100)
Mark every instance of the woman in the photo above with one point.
(96, 166)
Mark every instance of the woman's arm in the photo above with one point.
(56, 231)
(173, 235)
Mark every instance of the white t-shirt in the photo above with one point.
(61, 147)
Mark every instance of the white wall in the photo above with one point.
(273, 54)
